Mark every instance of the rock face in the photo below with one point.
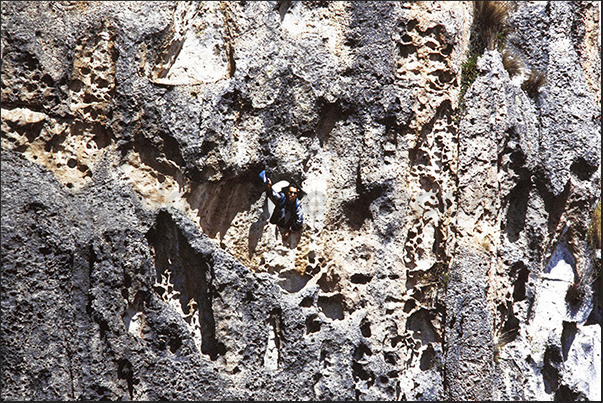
(448, 248)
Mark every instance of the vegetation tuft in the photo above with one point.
(502, 339)
(468, 74)
(433, 283)
(575, 293)
(489, 30)
(512, 62)
(490, 24)
(594, 238)
(438, 275)
(594, 230)
(533, 83)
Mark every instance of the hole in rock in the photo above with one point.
(420, 323)
(519, 288)
(516, 212)
(582, 168)
(306, 302)
(311, 257)
(357, 210)
(550, 370)
(47, 79)
(328, 281)
(409, 305)
(330, 113)
(292, 281)
(566, 394)
(76, 85)
(411, 25)
(360, 278)
(175, 344)
(390, 357)
(124, 371)
(360, 351)
(313, 324)
(219, 203)
(332, 307)
(360, 373)
(427, 358)
(365, 327)
(395, 340)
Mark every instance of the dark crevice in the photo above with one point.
(550, 370)
(357, 210)
(191, 275)
(359, 372)
(283, 7)
(420, 324)
(360, 351)
(510, 329)
(567, 337)
(124, 371)
(427, 359)
(169, 50)
(521, 274)
(276, 323)
(391, 357)
(583, 169)
(555, 205)
(230, 31)
(365, 327)
(332, 307)
(516, 212)
(328, 282)
(152, 147)
(307, 302)
(329, 114)
(566, 394)
(313, 325)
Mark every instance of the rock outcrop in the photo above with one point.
(449, 248)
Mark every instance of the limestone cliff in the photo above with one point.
(450, 249)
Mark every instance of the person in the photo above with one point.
(287, 214)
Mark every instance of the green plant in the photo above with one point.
(512, 62)
(433, 283)
(469, 74)
(533, 83)
(488, 31)
(577, 291)
(438, 363)
(442, 274)
(437, 275)
(502, 339)
(594, 229)
(594, 239)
